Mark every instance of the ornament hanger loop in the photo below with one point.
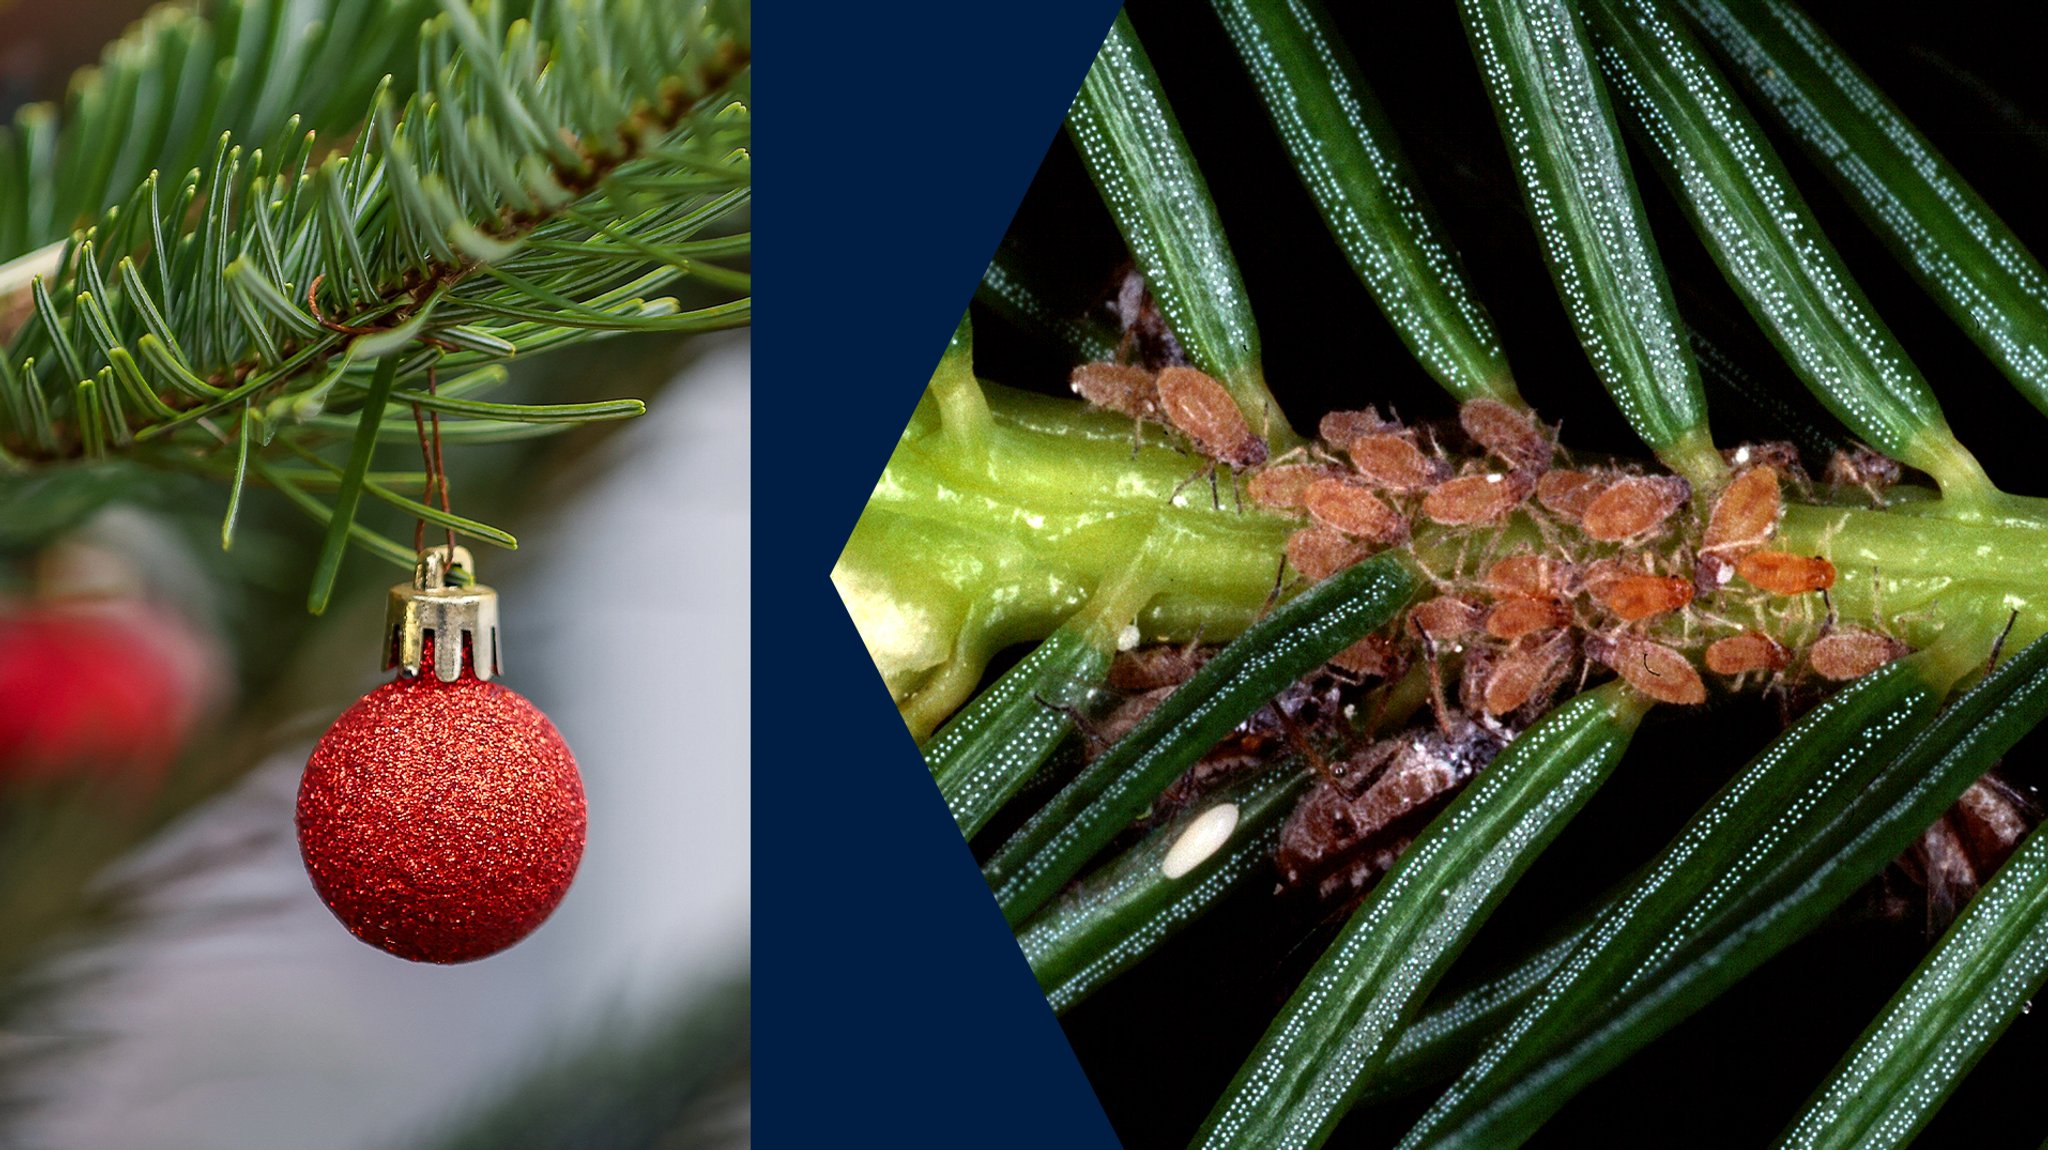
(445, 601)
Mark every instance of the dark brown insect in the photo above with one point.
(1859, 466)
(1445, 617)
(1282, 486)
(1749, 651)
(1639, 596)
(1199, 406)
(1394, 462)
(1634, 507)
(1651, 668)
(1852, 653)
(1970, 842)
(1510, 434)
(1525, 675)
(1519, 615)
(1783, 573)
(1348, 507)
(1318, 552)
(1147, 337)
(1350, 829)
(1568, 493)
(1472, 499)
(1778, 454)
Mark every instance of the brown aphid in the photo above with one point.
(1348, 507)
(1394, 462)
(1160, 665)
(1506, 432)
(1859, 466)
(1744, 516)
(1638, 596)
(1519, 615)
(1471, 499)
(1568, 493)
(1745, 513)
(1778, 454)
(1374, 656)
(1341, 428)
(1318, 552)
(1633, 507)
(1528, 574)
(1526, 673)
(1117, 387)
(1282, 487)
(1783, 573)
(1200, 407)
(1853, 653)
(1749, 651)
(1348, 830)
(1651, 668)
(1445, 617)
(1146, 334)
(1992, 819)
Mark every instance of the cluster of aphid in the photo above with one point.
(1617, 572)
(1543, 571)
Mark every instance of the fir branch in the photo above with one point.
(552, 179)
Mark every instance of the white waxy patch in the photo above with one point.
(1491, 478)
(1127, 639)
(1204, 837)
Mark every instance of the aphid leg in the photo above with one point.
(1273, 596)
(1437, 706)
(1089, 731)
(1998, 646)
(1306, 748)
(1210, 471)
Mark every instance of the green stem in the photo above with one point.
(961, 552)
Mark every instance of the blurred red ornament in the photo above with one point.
(442, 820)
(111, 685)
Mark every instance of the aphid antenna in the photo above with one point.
(1437, 705)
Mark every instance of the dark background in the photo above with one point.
(1160, 1044)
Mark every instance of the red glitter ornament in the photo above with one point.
(442, 821)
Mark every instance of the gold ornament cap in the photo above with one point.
(443, 600)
